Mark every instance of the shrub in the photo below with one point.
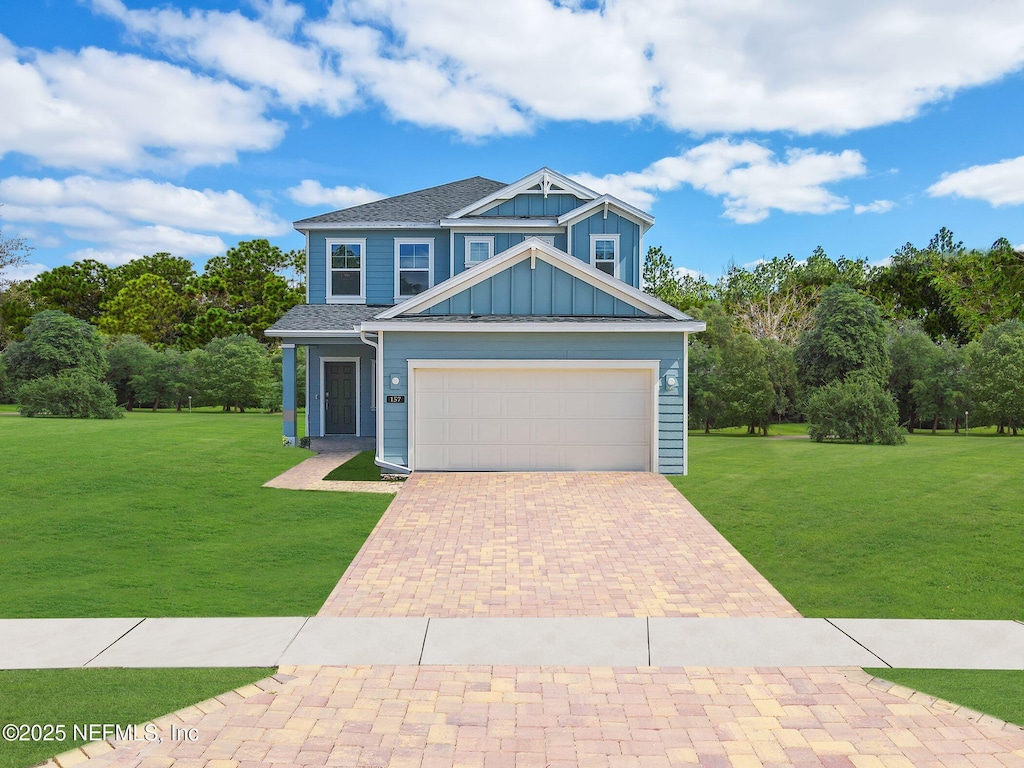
(857, 409)
(73, 393)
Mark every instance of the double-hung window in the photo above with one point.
(478, 248)
(604, 253)
(414, 264)
(346, 271)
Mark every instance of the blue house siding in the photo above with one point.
(541, 290)
(502, 242)
(380, 260)
(535, 205)
(400, 346)
(315, 353)
(629, 242)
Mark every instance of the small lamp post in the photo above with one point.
(190, 403)
(967, 423)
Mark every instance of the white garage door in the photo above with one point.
(540, 418)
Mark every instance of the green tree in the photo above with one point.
(236, 372)
(780, 365)
(744, 389)
(995, 365)
(77, 289)
(855, 408)
(127, 356)
(147, 307)
(250, 285)
(162, 378)
(15, 311)
(662, 279)
(177, 271)
(848, 334)
(55, 342)
(912, 352)
(703, 391)
(939, 390)
(983, 288)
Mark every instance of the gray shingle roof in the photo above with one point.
(325, 317)
(425, 205)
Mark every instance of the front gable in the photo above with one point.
(534, 278)
(534, 287)
(544, 185)
(534, 205)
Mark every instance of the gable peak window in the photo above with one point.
(414, 262)
(479, 248)
(604, 253)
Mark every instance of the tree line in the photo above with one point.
(860, 352)
(160, 298)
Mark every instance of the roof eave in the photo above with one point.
(308, 226)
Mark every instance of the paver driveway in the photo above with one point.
(528, 545)
(549, 544)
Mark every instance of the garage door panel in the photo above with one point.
(522, 419)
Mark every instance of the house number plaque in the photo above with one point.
(396, 398)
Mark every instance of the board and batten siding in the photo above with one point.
(613, 224)
(401, 346)
(502, 242)
(535, 205)
(380, 260)
(367, 408)
(538, 290)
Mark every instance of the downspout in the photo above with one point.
(378, 459)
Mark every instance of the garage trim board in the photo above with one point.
(574, 368)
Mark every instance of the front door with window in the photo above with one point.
(339, 398)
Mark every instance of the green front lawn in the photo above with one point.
(81, 697)
(999, 693)
(932, 529)
(163, 514)
(359, 467)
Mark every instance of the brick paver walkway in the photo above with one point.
(618, 543)
(549, 544)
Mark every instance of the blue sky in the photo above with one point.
(749, 129)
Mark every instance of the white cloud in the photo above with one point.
(878, 206)
(25, 271)
(139, 200)
(999, 183)
(748, 176)
(311, 192)
(252, 51)
(127, 219)
(696, 274)
(95, 109)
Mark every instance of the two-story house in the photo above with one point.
(486, 326)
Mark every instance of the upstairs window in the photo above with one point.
(479, 249)
(414, 262)
(346, 270)
(604, 253)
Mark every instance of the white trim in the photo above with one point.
(329, 296)
(308, 271)
(399, 242)
(652, 366)
(308, 391)
(686, 403)
(487, 240)
(542, 175)
(323, 394)
(627, 211)
(313, 334)
(497, 224)
(322, 225)
(534, 248)
(451, 253)
(655, 326)
(617, 252)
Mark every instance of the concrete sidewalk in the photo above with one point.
(596, 641)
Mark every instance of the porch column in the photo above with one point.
(288, 391)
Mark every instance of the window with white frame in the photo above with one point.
(414, 262)
(346, 268)
(479, 248)
(604, 253)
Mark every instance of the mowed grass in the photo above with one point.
(117, 696)
(359, 467)
(163, 514)
(932, 529)
(999, 693)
